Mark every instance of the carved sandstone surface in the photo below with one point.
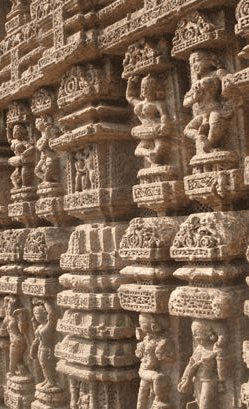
(149, 239)
(211, 236)
(124, 233)
(93, 247)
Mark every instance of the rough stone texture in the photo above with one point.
(124, 204)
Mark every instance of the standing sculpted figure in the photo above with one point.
(44, 320)
(24, 158)
(207, 368)
(16, 323)
(156, 352)
(210, 122)
(152, 111)
(85, 171)
(47, 169)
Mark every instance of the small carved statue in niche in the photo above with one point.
(44, 321)
(151, 110)
(24, 158)
(47, 169)
(210, 122)
(16, 323)
(207, 367)
(85, 172)
(156, 352)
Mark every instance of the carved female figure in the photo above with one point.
(16, 323)
(206, 368)
(82, 180)
(47, 169)
(209, 124)
(24, 158)
(85, 169)
(153, 114)
(44, 319)
(157, 355)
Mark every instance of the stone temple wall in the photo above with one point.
(124, 204)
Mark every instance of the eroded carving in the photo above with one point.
(47, 169)
(208, 366)
(156, 351)
(16, 323)
(44, 321)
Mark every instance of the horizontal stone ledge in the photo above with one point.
(97, 374)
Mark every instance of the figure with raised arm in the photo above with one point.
(44, 320)
(151, 109)
(16, 323)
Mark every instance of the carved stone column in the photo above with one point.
(20, 136)
(152, 76)
(145, 245)
(217, 177)
(43, 247)
(97, 351)
(213, 245)
(16, 325)
(245, 386)
(48, 169)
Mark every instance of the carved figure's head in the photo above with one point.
(42, 122)
(79, 156)
(203, 333)
(10, 305)
(149, 87)
(153, 324)
(201, 61)
(40, 314)
(20, 132)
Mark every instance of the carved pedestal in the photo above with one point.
(19, 392)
